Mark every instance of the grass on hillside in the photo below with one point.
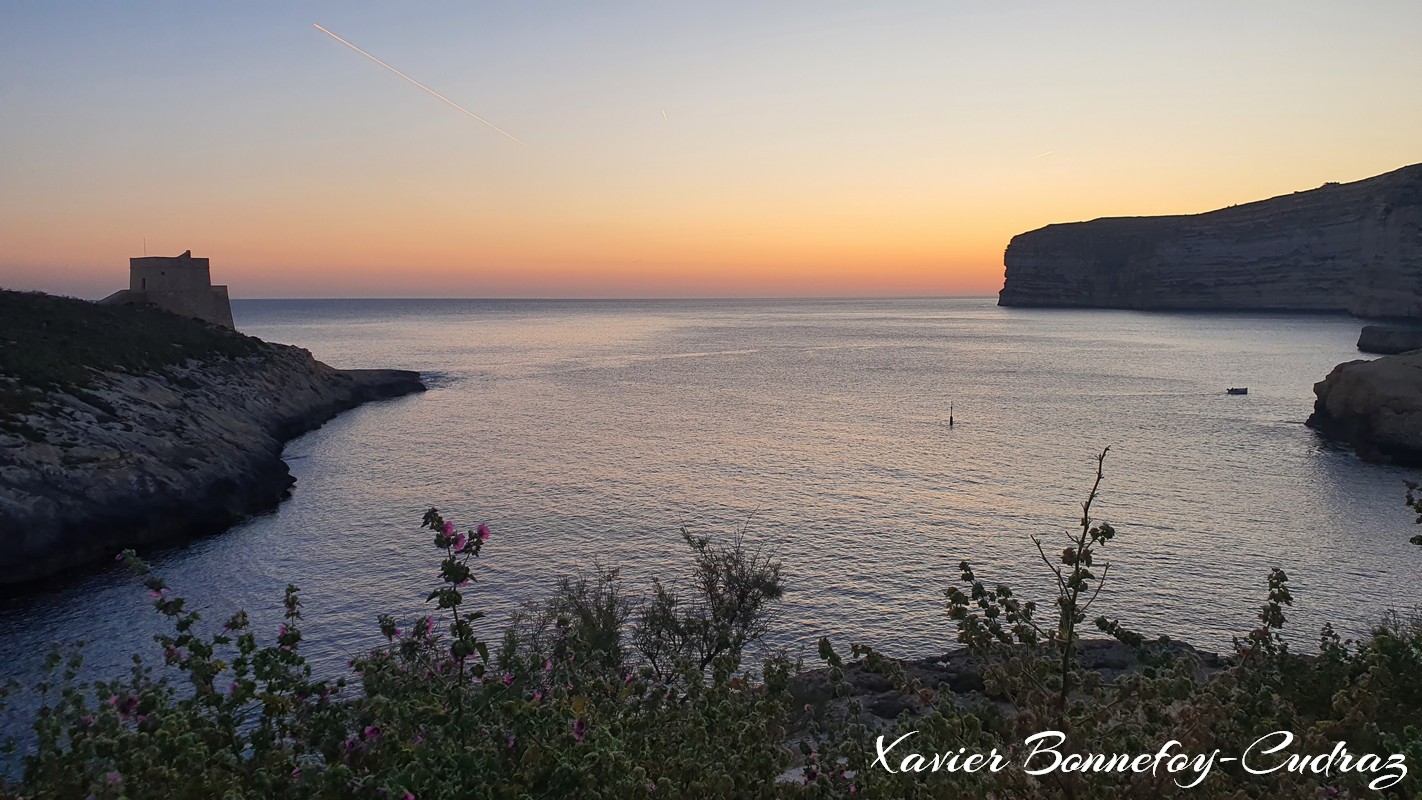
(50, 343)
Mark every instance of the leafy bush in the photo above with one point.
(563, 712)
(732, 589)
(1363, 696)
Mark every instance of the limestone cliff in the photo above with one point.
(1354, 247)
(1374, 406)
(127, 426)
(1389, 340)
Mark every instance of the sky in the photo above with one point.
(724, 149)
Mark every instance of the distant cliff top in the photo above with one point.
(1354, 247)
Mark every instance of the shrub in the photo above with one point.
(732, 588)
(434, 715)
(1363, 696)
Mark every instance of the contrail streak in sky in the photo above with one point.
(421, 85)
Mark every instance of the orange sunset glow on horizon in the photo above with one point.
(646, 151)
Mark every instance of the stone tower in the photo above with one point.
(179, 284)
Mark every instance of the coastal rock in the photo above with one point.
(957, 671)
(132, 456)
(1388, 340)
(1375, 406)
(1354, 247)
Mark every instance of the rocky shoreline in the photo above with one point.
(131, 456)
(1375, 407)
(1389, 340)
(882, 701)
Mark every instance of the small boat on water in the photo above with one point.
(1237, 390)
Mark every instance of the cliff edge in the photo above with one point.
(129, 426)
(1353, 247)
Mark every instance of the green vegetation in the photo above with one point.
(596, 694)
(58, 343)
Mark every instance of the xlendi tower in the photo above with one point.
(180, 284)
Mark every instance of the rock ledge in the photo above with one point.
(143, 449)
(1374, 406)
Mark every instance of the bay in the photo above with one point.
(594, 431)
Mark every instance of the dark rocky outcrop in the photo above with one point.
(126, 427)
(1389, 340)
(961, 673)
(1354, 247)
(1374, 406)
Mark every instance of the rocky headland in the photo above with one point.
(1389, 340)
(130, 426)
(1374, 406)
(1352, 247)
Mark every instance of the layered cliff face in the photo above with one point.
(121, 427)
(1353, 247)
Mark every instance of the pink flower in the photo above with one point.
(449, 529)
(460, 541)
(408, 795)
(580, 730)
(508, 679)
(548, 665)
(511, 741)
(537, 695)
(296, 774)
(114, 777)
(372, 732)
(483, 531)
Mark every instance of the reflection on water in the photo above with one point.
(584, 430)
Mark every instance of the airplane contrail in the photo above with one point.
(421, 85)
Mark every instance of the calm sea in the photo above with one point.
(584, 431)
